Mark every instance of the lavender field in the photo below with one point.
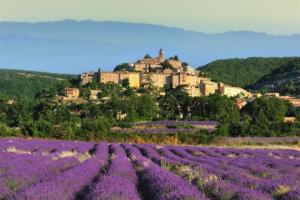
(58, 170)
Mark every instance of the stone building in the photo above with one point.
(87, 77)
(231, 91)
(134, 79)
(194, 84)
(289, 119)
(158, 79)
(190, 70)
(118, 77)
(208, 87)
(272, 94)
(143, 65)
(175, 63)
(72, 93)
(184, 78)
(194, 91)
(94, 94)
(293, 100)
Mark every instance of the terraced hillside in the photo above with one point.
(49, 169)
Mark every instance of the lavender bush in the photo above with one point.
(62, 170)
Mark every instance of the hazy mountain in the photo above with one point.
(75, 46)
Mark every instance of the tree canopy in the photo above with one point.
(123, 67)
(17, 83)
(243, 72)
(283, 79)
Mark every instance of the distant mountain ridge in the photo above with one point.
(75, 46)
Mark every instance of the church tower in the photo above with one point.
(161, 55)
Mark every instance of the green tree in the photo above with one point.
(109, 89)
(95, 128)
(273, 108)
(215, 107)
(125, 83)
(38, 128)
(149, 87)
(175, 103)
(147, 56)
(266, 115)
(146, 107)
(243, 72)
(69, 130)
(166, 65)
(124, 67)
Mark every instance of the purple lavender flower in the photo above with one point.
(120, 181)
(37, 169)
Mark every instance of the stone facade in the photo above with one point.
(134, 79)
(87, 77)
(72, 93)
(194, 91)
(190, 70)
(272, 94)
(194, 84)
(145, 64)
(94, 94)
(159, 79)
(231, 91)
(208, 87)
(118, 77)
(293, 100)
(289, 119)
(175, 63)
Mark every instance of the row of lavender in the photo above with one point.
(144, 171)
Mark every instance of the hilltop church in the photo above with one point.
(145, 64)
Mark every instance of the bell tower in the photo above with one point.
(161, 55)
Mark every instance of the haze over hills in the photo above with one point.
(75, 46)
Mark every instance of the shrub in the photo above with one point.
(96, 128)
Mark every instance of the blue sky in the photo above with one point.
(270, 16)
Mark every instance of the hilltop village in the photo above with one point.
(163, 72)
(93, 105)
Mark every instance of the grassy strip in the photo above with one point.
(201, 137)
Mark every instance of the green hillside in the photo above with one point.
(243, 72)
(285, 80)
(18, 83)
